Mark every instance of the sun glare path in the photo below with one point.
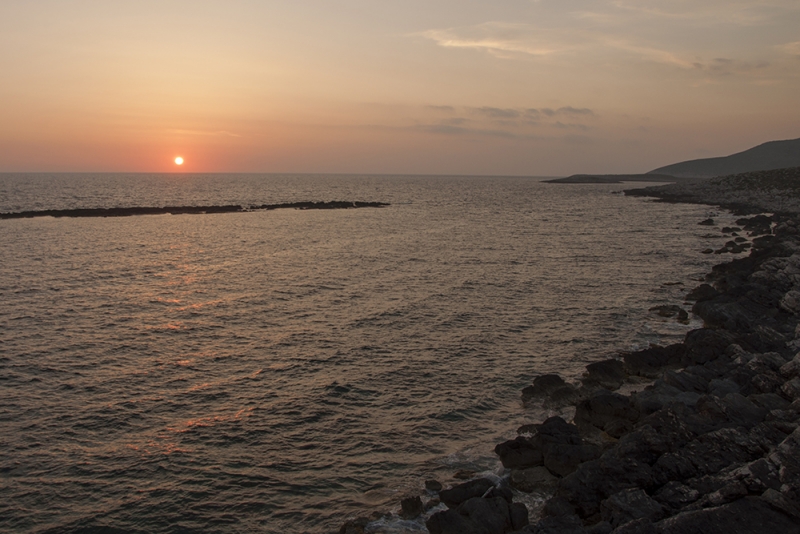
(179, 161)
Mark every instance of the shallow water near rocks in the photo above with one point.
(280, 371)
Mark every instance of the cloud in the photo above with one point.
(793, 49)
(497, 38)
(497, 113)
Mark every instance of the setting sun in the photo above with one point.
(179, 161)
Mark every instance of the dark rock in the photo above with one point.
(519, 515)
(451, 522)
(686, 381)
(491, 514)
(433, 485)
(543, 386)
(650, 362)
(609, 374)
(503, 492)
(606, 411)
(566, 524)
(637, 526)
(711, 452)
(601, 527)
(597, 480)
(532, 479)
(707, 222)
(519, 453)
(705, 344)
(628, 505)
(464, 474)
(411, 507)
(562, 447)
(557, 506)
(355, 526)
(768, 401)
(676, 495)
(744, 516)
(457, 494)
(702, 292)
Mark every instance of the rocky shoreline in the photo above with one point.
(711, 445)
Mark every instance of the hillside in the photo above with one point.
(769, 156)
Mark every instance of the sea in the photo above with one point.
(282, 371)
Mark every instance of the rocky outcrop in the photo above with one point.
(713, 444)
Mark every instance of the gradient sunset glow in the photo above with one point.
(539, 87)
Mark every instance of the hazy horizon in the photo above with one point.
(526, 88)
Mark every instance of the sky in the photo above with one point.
(501, 87)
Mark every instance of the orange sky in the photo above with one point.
(457, 87)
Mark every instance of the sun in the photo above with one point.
(179, 161)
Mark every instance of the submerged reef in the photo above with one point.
(699, 436)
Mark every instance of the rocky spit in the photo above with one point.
(710, 445)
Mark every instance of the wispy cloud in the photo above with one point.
(497, 38)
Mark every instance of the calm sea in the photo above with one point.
(277, 372)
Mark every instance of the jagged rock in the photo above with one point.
(609, 374)
(702, 292)
(492, 514)
(686, 381)
(501, 491)
(705, 344)
(519, 515)
(566, 524)
(791, 389)
(601, 527)
(532, 479)
(596, 480)
(607, 411)
(562, 447)
(411, 507)
(791, 369)
(650, 362)
(676, 495)
(629, 505)
(519, 453)
(721, 387)
(457, 494)
(543, 386)
(768, 401)
(451, 522)
(744, 516)
(656, 396)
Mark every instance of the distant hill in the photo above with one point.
(769, 156)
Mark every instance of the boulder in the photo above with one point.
(532, 479)
(562, 447)
(519, 515)
(492, 514)
(743, 516)
(702, 292)
(650, 362)
(451, 522)
(676, 495)
(628, 505)
(706, 344)
(457, 494)
(411, 507)
(519, 453)
(607, 411)
(609, 374)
